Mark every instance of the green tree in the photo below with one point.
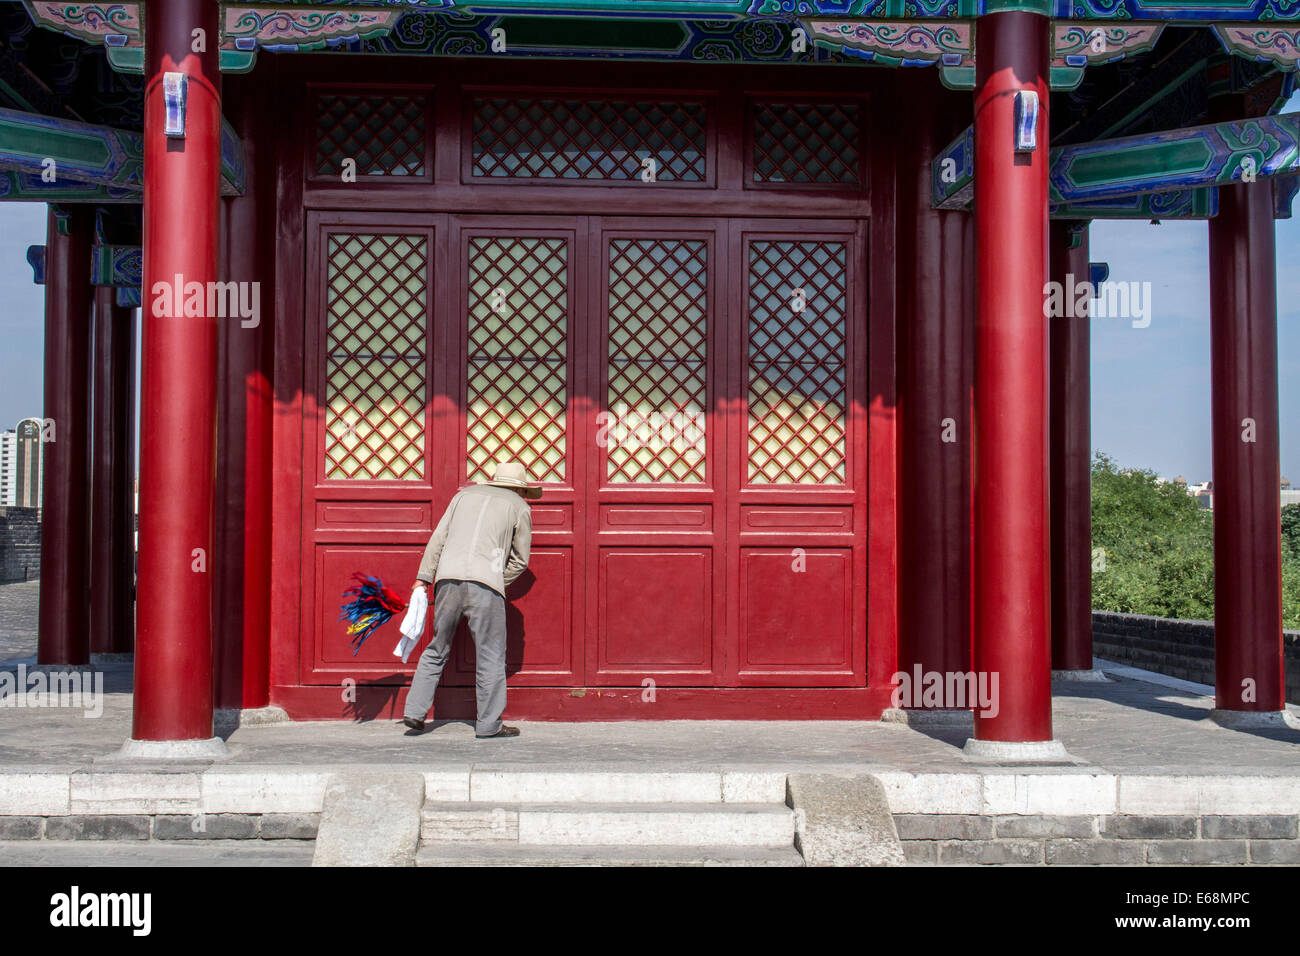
(1291, 531)
(1153, 548)
(1156, 545)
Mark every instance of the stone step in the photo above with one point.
(481, 853)
(370, 819)
(611, 824)
(501, 785)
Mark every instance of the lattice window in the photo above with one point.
(376, 357)
(384, 134)
(588, 139)
(518, 337)
(806, 143)
(797, 351)
(658, 371)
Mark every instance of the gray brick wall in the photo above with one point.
(20, 544)
(1177, 648)
(1111, 840)
(162, 826)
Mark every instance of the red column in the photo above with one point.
(122, 401)
(1011, 531)
(1071, 455)
(244, 429)
(112, 572)
(1244, 406)
(173, 662)
(103, 598)
(935, 373)
(65, 504)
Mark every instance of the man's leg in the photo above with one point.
(448, 600)
(486, 610)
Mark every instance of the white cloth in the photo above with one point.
(413, 624)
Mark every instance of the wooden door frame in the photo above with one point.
(742, 494)
(461, 229)
(711, 493)
(876, 204)
(315, 487)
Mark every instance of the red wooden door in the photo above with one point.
(518, 287)
(373, 424)
(690, 392)
(656, 522)
(798, 436)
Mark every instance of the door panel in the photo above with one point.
(796, 613)
(656, 589)
(539, 616)
(797, 500)
(656, 611)
(335, 565)
(371, 481)
(518, 292)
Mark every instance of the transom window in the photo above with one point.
(608, 140)
(807, 143)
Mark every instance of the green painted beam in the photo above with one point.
(1108, 171)
(1176, 204)
(66, 159)
(52, 148)
(1212, 155)
(26, 187)
(118, 266)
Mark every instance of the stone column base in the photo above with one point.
(1087, 676)
(930, 719)
(113, 658)
(227, 719)
(1255, 719)
(214, 748)
(1014, 751)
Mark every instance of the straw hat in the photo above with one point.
(511, 474)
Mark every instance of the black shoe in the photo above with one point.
(505, 731)
(415, 723)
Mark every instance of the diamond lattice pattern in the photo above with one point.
(384, 134)
(658, 372)
(797, 362)
(806, 143)
(517, 362)
(577, 139)
(376, 361)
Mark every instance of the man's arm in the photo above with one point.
(520, 545)
(433, 550)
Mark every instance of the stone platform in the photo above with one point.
(1152, 781)
(1149, 780)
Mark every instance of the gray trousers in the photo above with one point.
(486, 611)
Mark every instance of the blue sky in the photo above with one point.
(1150, 386)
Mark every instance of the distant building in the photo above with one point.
(29, 464)
(8, 468)
(1203, 492)
(1289, 497)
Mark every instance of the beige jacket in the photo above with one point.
(485, 535)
